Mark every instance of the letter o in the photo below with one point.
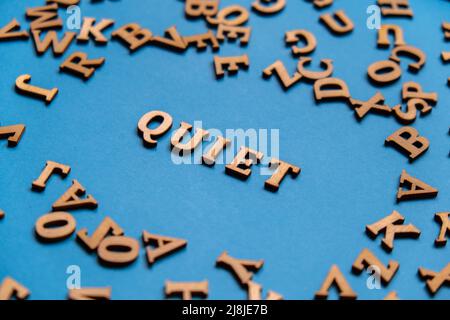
(127, 253)
(66, 226)
(393, 71)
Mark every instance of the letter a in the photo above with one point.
(336, 277)
(165, 245)
(70, 200)
(417, 189)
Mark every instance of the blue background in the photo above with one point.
(349, 178)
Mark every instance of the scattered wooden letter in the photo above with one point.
(163, 245)
(294, 36)
(133, 35)
(231, 64)
(10, 289)
(70, 200)
(88, 29)
(240, 166)
(90, 294)
(435, 280)
(281, 170)
(392, 225)
(366, 258)
(187, 289)
(11, 31)
(55, 226)
(397, 8)
(268, 6)
(417, 189)
(282, 74)
(408, 141)
(23, 86)
(45, 17)
(335, 277)
(13, 133)
(443, 219)
(149, 135)
(338, 23)
(51, 167)
(240, 267)
(51, 40)
(78, 63)
(255, 292)
(374, 104)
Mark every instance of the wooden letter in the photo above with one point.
(118, 250)
(51, 167)
(413, 90)
(10, 288)
(107, 227)
(201, 41)
(23, 86)
(330, 88)
(44, 17)
(446, 58)
(133, 35)
(238, 15)
(383, 72)
(13, 133)
(254, 292)
(392, 228)
(230, 63)
(89, 28)
(79, 64)
(187, 289)
(443, 219)
(281, 170)
(240, 166)
(395, 8)
(408, 141)
(233, 32)
(336, 277)
(269, 6)
(51, 39)
(410, 114)
(70, 199)
(282, 74)
(322, 3)
(188, 146)
(64, 3)
(55, 226)
(446, 28)
(294, 36)
(435, 279)
(410, 51)
(7, 34)
(239, 266)
(149, 135)
(172, 40)
(367, 258)
(164, 245)
(375, 103)
(343, 26)
(315, 75)
(198, 8)
(209, 157)
(417, 189)
(90, 294)
(383, 40)
(392, 296)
